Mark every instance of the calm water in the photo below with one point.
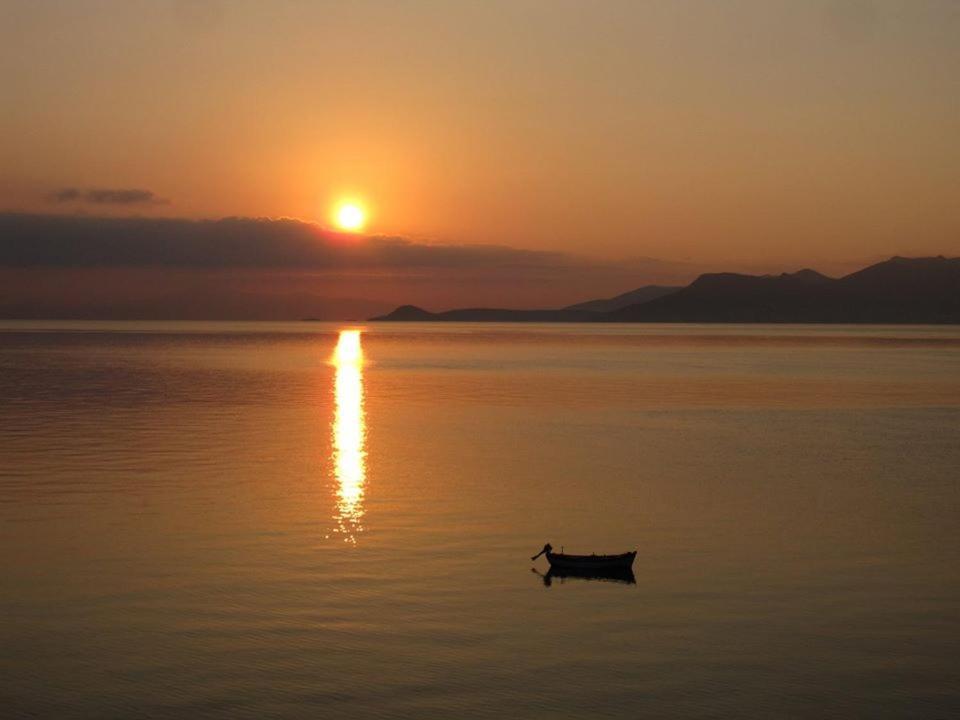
(280, 520)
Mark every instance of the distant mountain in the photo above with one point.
(729, 297)
(898, 290)
(633, 297)
(581, 312)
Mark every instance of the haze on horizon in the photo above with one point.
(683, 136)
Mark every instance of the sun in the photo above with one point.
(350, 216)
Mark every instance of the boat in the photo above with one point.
(563, 561)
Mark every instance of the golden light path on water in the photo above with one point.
(349, 435)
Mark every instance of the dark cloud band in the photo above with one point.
(122, 196)
(33, 240)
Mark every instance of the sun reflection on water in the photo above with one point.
(349, 435)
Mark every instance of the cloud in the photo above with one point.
(121, 196)
(65, 195)
(34, 240)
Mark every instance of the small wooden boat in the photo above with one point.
(562, 561)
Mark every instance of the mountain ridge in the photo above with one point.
(898, 290)
(631, 297)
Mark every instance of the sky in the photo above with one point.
(609, 144)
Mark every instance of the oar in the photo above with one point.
(546, 548)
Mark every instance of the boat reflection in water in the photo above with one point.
(624, 576)
(349, 435)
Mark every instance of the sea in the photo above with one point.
(322, 520)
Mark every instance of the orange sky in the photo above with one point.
(733, 134)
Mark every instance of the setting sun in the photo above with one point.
(350, 216)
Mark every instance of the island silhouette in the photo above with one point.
(899, 290)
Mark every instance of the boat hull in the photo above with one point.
(561, 561)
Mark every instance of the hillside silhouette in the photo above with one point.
(633, 297)
(898, 290)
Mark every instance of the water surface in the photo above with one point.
(233, 520)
